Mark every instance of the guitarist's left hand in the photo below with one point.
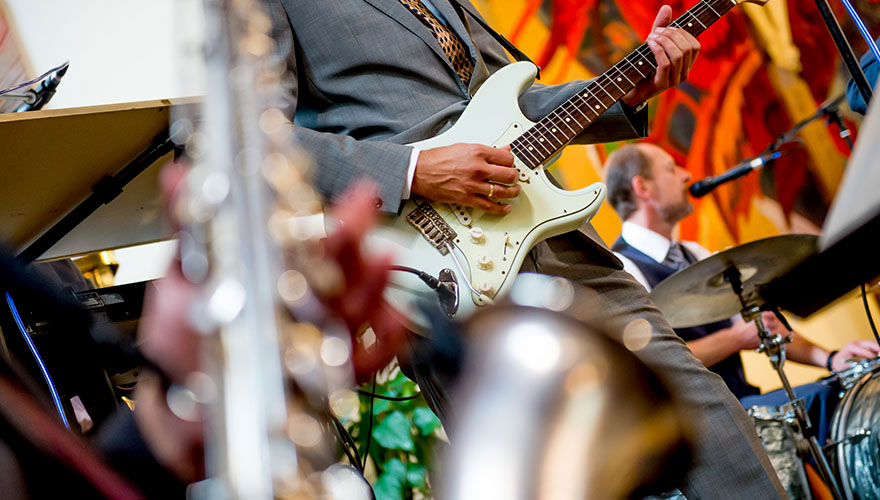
(675, 51)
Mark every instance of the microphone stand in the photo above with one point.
(845, 49)
(829, 110)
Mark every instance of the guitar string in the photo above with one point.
(629, 63)
(641, 52)
(695, 13)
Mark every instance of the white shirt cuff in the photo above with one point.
(410, 173)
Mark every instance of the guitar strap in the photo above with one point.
(515, 52)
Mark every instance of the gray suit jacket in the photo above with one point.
(367, 77)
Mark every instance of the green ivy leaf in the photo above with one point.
(399, 382)
(425, 421)
(380, 406)
(390, 484)
(415, 475)
(393, 433)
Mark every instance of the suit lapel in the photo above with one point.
(395, 10)
(454, 23)
(468, 7)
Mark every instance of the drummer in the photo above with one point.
(649, 192)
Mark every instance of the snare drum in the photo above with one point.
(856, 431)
(774, 427)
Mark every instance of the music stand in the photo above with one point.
(848, 256)
(62, 168)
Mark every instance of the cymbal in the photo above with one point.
(700, 294)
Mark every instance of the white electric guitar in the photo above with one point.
(474, 256)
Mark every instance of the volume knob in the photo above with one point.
(477, 235)
(485, 288)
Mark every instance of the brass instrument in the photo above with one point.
(271, 361)
(553, 408)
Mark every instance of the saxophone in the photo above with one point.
(271, 360)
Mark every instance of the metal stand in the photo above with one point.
(103, 192)
(846, 51)
(774, 347)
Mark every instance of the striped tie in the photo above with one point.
(676, 258)
(456, 51)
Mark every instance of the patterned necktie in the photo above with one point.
(676, 258)
(456, 51)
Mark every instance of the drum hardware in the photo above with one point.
(774, 347)
(731, 282)
(849, 377)
(784, 413)
(776, 427)
(860, 434)
(855, 440)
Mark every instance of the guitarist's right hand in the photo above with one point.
(465, 174)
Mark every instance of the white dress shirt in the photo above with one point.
(414, 156)
(655, 246)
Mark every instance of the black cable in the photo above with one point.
(427, 278)
(344, 445)
(388, 398)
(370, 426)
(868, 312)
(347, 442)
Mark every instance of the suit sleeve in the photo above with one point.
(618, 123)
(339, 160)
(615, 124)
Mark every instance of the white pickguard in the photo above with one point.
(540, 211)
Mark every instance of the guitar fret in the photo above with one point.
(550, 137)
(634, 66)
(544, 137)
(566, 120)
(596, 97)
(623, 74)
(534, 158)
(556, 131)
(529, 148)
(539, 143)
(524, 156)
(606, 92)
(578, 109)
(713, 10)
(591, 106)
(697, 18)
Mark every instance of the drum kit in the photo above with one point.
(730, 283)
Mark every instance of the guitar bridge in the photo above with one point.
(432, 226)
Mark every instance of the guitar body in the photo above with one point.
(490, 263)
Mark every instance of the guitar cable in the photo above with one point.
(432, 282)
(429, 280)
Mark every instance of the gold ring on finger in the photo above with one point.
(491, 190)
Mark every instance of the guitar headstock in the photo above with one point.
(756, 2)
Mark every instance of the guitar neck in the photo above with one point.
(563, 124)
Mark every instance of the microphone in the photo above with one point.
(703, 187)
(40, 96)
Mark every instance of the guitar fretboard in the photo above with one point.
(564, 123)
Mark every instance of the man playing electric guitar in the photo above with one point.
(371, 76)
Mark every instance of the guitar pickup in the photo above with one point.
(432, 226)
(462, 213)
